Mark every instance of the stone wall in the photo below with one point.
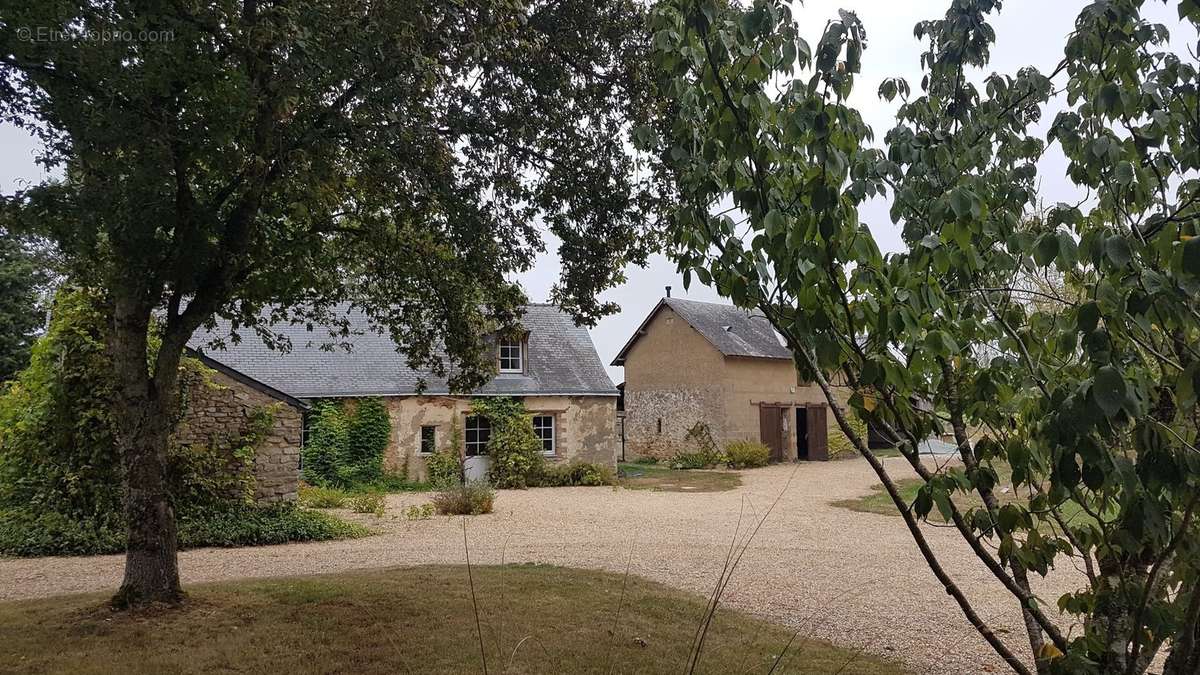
(657, 421)
(585, 428)
(221, 410)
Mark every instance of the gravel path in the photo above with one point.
(855, 579)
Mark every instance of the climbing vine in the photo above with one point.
(346, 442)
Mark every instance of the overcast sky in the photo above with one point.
(1028, 32)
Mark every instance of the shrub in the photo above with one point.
(839, 445)
(514, 448)
(419, 512)
(444, 467)
(319, 497)
(747, 454)
(26, 534)
(704, 453)
(468, 499)
(576, 473)
(280, 523)
(368, 502)
(23, 533)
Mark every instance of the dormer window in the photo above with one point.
(512, 357)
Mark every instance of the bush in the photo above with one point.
(576, 473)
(514, 448)
(468, 499)
(25, 534)
(280, 523)
(368, 502)
(705, 453)
(419, 512)
(318, 497)
(445, 467)
(839, 445)
(747, 454)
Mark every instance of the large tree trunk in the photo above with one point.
(145, 411)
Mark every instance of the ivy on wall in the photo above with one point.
(346, 442)
(57, 449)
(514, 448)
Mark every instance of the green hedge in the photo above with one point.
(24, 534)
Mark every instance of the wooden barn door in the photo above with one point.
(818, 433)
(770, 430)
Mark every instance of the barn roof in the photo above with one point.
(732, 330)
(561, 360)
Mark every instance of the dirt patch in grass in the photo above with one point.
(535, 619)
(666, 479)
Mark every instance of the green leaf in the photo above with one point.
(940, 343)
(1109, 389)
(1117, 250)
(774, 222)
(1124, 173)
(961, 200)
(1046, 249)
(1191, 256)
(1087, 317)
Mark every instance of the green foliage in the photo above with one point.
(57, 451)
(514, 448)
(466, 499)
(60, 478)
(839, 443)
(703, 452)
(747, 454)
(419, 512)
(23, 533)
(1066, 333)
(319, 497)
(22, 274)
(575, 473)
(367, 439)
(250, 525)
(368, 502)
(346, 442)
(445, 467)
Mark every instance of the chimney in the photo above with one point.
(668, 291)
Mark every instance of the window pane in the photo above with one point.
(428, 439)
(543, 428)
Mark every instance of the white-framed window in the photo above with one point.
(543, 427)
(428, 440)
(478, 433)
(511, 357)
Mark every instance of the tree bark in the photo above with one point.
(144, 414)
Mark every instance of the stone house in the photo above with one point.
(223, 407)
(691, 362)
(552, 367)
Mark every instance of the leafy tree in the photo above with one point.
(263, 161)
(22, 276)
(1089, 394)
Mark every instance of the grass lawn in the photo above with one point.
(879, 501)
(535, 619)
(666, 479)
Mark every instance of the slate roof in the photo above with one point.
(561, 360)
(732, 330)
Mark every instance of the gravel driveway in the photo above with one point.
(855, 579)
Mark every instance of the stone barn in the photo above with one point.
(698, 362)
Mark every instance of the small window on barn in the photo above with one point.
(660, 425)
(478, 433)
(428, 440)
(511, 358)
(543, 427)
